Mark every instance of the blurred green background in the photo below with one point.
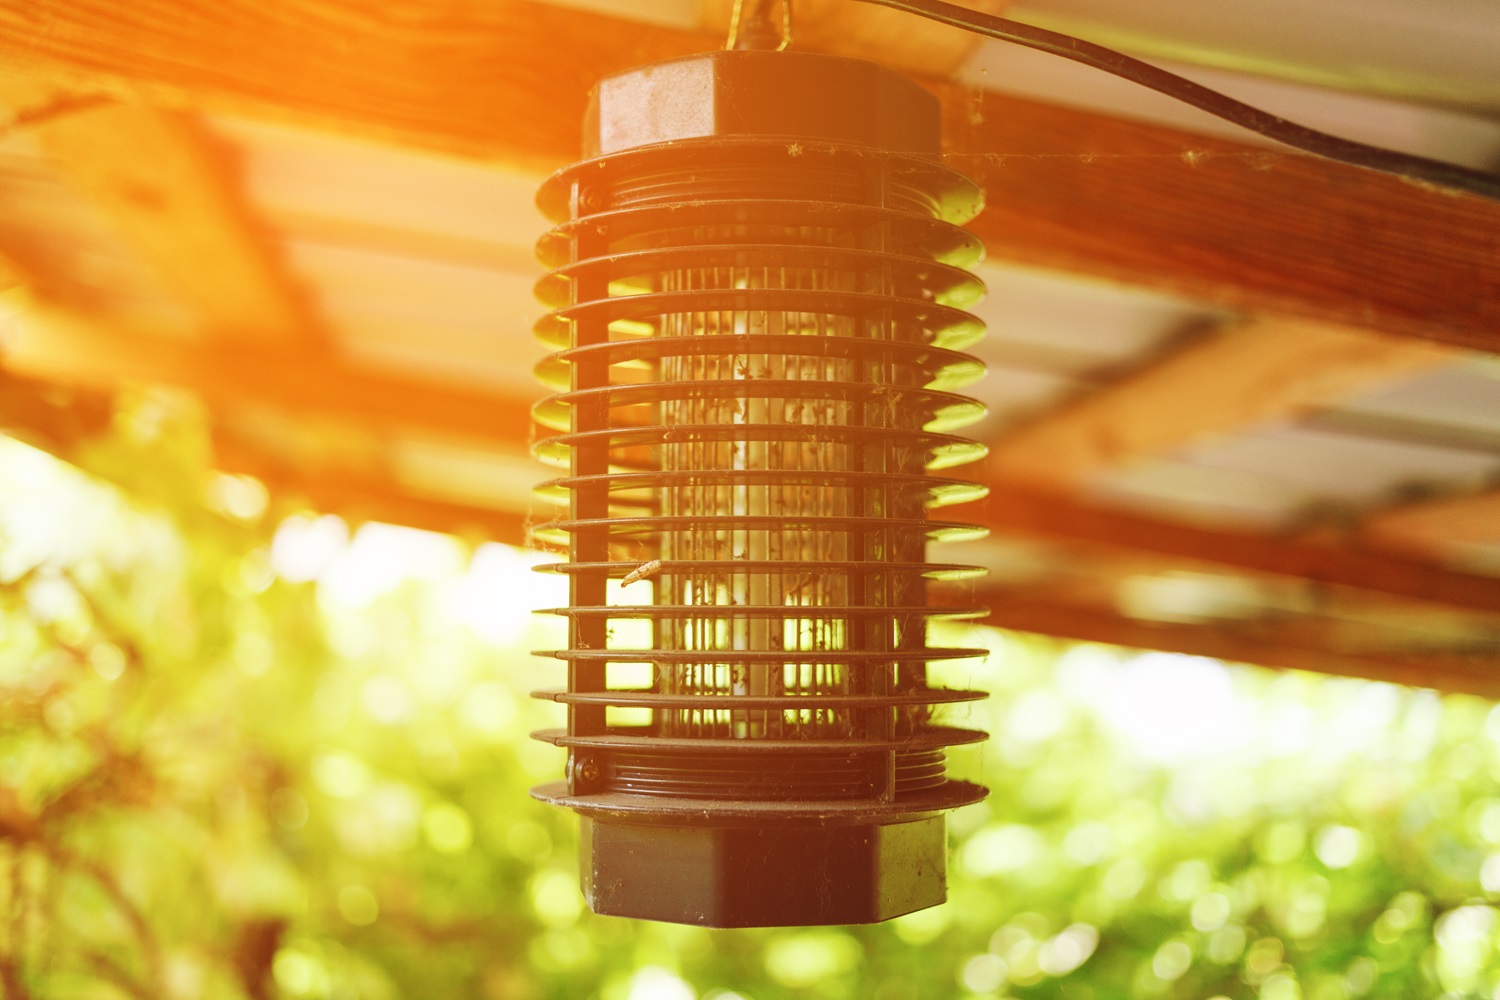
(251, 752)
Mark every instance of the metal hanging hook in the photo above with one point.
(752, 27)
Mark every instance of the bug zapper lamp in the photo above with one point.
(756, 280)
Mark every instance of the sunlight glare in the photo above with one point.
(652, 983)
(500, 590)
(305, 546)
(381, 558)
(1174, 707)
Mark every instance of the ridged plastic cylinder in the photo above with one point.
(757, 287)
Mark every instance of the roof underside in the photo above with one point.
(1242, 402)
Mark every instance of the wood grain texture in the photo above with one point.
(1012, 509)
(901, 41)
(155, 178)
(1257, 643)
(1223, 381)
(1258, 231)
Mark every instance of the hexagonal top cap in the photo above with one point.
(795, 95)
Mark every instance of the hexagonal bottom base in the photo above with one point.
(763, 876)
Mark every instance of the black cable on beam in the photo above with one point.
(1359, 154)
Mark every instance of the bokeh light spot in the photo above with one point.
(1171, 961)
(1338, 846)
(306, 546)
(1000, 849)
(1361, 975)
(1210, 911)
(447, 828)
(299, 973)
(1087, 843)
(358, 905)
(983, 973)
(1068, 950)
(922, 926)
(556, 898)
(243, 498)
(1280, 986)
(1489, 874)
(652, 983)
(802, 960)
(108, 660)
(340, 775)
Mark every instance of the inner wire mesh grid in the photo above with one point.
(756, 350)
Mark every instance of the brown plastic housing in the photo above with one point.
(757, 287)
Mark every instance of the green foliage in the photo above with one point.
(243, 755)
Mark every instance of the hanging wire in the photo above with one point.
(1409, 166)
(751, 26)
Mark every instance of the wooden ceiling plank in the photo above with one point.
(1239, 226)
(367, 496)
(61, 420)
(1013, 509)
(1434, 528)
(52, 344)
(1478, 674)
(910, 44)
(1237, 376)
(158, 180)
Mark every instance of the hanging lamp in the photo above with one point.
(757, 281)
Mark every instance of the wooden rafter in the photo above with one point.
(1015, 510)
(154, 176)
(1433, 528)
(49, 416)
(54, 344)
(81, 352)
(367, 496)
(1262, 232)
(1260, 643)
(1255, 230)
(61, 345)
(1237, 376)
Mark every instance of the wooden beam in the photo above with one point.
(1236, 376)
(367, 497)
(898, 40)
(71, 349)
(1243, 227)
(505, 80)
(52, 417)
(59, 346)
(1256, 230)
(1249, 643)
(1015, 509)
(61, 419)
(156, 178)
(1434, 528)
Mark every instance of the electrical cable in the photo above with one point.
(1359, 154)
